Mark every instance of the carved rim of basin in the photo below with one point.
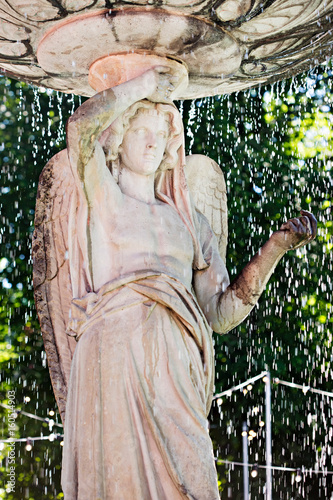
(71, 47)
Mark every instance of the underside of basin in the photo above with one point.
(226, 45)
(133, 39)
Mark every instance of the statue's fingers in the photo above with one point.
(174, 78)
(313, 221)
(300, 229)
(295, 222)
(285, 226)
(290, 225)
(303, 225)
(304, 229)
(305, 221)
(165, 83)
(162, 69)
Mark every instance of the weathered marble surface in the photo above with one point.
(227, 45)
(126, 264)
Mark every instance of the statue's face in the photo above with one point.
(144, 143)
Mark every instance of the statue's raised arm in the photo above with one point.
(84, 129)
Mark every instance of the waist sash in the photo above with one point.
(151, 286)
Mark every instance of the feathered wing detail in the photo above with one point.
(208, 190)
(51, 272)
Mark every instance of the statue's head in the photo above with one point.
(113, 137)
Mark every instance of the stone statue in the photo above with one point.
(127, 263)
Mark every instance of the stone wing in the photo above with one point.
(51, 273)
(207, 186)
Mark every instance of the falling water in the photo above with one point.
(275, 148)
(31, 132)
(274, 145)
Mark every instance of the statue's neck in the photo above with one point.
(140, 187)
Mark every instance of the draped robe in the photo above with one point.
(140, 387)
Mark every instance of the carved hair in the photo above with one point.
(116, 131)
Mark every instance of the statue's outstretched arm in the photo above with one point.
(230, 304)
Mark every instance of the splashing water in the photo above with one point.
(275, 148)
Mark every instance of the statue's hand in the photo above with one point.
(159, 83)
(296, 232)
(153, 79)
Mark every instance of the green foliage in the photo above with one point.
(275, 149)
(30, 133)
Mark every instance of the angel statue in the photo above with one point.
(130, 281)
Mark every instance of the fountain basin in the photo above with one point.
(226, 45)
